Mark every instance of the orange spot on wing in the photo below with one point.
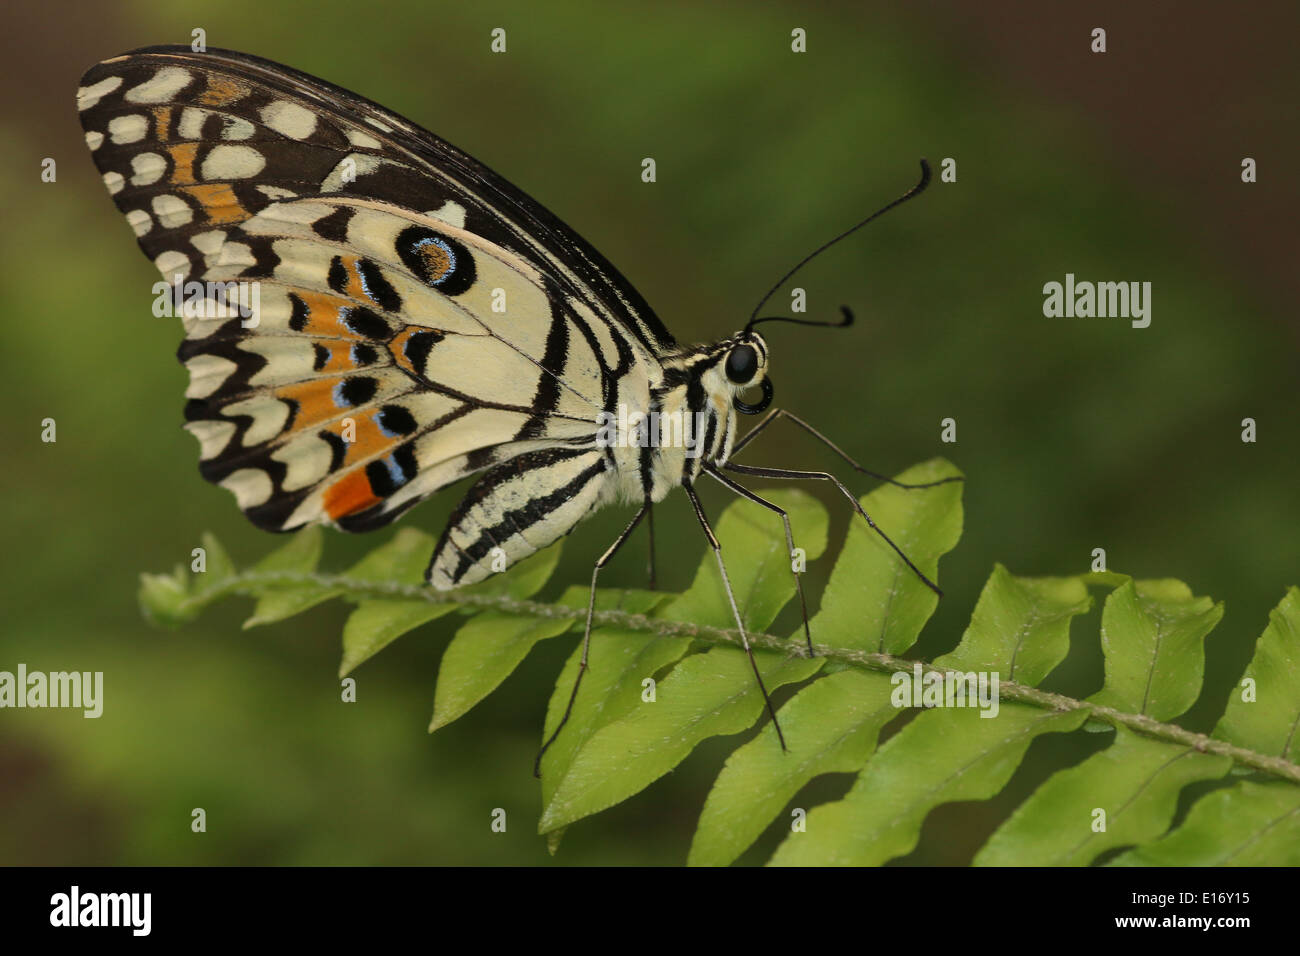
(439, 261)
(354, 289)
(367, 441)
(323, 316)
(218, 202)
(340, 359)
(349, 495)
(183, 162)
(397, 346)
(315, 402)
(162, 119)
(221, 91)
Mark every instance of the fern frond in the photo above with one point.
(666, 673)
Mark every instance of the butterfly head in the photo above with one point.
(744, 368)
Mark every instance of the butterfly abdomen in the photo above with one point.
(504, 519)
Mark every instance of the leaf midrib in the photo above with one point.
(254, 584)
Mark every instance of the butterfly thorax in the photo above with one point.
(689, 420)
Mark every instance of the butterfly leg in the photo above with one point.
(789, 540)
(776, 413)
(586, 637)
(825, 476)
(735, 611)
(650, 526)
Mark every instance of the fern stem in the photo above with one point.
(255, 583)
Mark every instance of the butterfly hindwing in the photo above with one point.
(373, 386)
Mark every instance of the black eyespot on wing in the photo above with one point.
(363, 355)
(742, 364)
(379, 289)
(440, 261)
(366, 322)
(418, 346)
(338, 275)
(394, 421)
(322, 356)
(355, 391)
(300, 314)
(388, 474)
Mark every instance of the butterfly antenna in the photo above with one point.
(754, 320)
(842, 323)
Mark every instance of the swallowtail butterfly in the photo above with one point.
(377, 365)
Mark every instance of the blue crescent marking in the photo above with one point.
(365, 286)
(379, 423)
(394, 471)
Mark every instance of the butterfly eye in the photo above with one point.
(742, 364)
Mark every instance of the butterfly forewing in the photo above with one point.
(419, 319)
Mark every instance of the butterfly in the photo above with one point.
(371, 315)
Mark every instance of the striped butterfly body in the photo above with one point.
(379, 316)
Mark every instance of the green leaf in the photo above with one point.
(377, 623)
(1020, 628)
(1247, 824)
(873, 601)
(1152, 635)
(705, 695)
(619, 663)
(754, 551)
(484, 653)
(401, 560)
(832, 726)
(169, 600)
(300, 555)
(1134, 782)
(165, 598)
(219, 566)
(278, 605)
(759, 568)
(942, 756)
(1267, 723)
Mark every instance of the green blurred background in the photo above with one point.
(1074, 433)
